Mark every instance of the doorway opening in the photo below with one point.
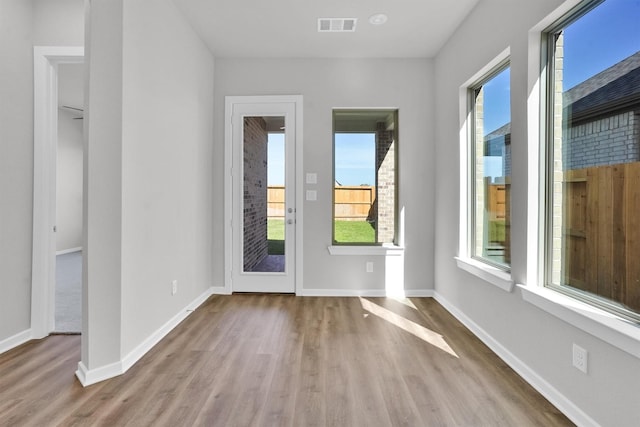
(48, 62)
(263, 155)
(68, 200)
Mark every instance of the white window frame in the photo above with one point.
(395, 248)
(586, 317)
(465, 260)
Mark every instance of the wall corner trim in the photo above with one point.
(15, 340)
(92, 376)
(560, 401)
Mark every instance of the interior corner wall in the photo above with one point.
(540, 341)
(167, 168)
(102, 196)
(325, 84)
(16, 165)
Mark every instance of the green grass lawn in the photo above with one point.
(497, 231)
(275, 236)
(354, 232)
(345, 232)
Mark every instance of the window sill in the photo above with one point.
(599, 323)
(384, 250)
(490, 274)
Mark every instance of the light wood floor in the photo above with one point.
(278, 360)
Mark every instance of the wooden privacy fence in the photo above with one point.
(601, 230)
(498, 227)
(497, 201)
(275, 201)
(353, 203)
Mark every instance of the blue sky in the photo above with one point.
(275, 158)
(355, 154)
(603, 37)
(355, 158)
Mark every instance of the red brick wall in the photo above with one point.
(255, 191)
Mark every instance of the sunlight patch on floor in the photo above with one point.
(405, 301)
(413, 328)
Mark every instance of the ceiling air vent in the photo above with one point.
(336, 25)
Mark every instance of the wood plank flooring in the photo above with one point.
(280, 360)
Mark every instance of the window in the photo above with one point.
(592, 243)
(365, 148)
(490, 178)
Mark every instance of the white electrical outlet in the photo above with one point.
(174, 287)
(580, 358)
(369, 267)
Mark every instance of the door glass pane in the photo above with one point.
(264, 194)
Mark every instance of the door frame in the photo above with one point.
(45, 138)
(230, 101)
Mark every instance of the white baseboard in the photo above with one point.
(92, 376)
(15, 340)
(219, 290)
(560, 401)
(68, 251)
(419, 293)
(341, 293)
(411, 293)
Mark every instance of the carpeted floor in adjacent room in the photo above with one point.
(68, 317)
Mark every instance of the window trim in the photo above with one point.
(587, 318)
(472, 92)
(490, 274)
(385, 249)
(547, 155)
(363, 248)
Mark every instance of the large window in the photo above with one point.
(490, 181)
(365, 152)
(593, 156)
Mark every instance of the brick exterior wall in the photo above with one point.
(478, 179)
(386, 184)
(606, 141)
(558, 164)
(255, 191)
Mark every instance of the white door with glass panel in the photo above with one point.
(261, 141)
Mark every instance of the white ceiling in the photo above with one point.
(288, 28)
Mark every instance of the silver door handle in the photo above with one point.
(290, 210)
(289, 221)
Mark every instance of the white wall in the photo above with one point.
(23, 24)
(58, 22)
(102, 197)
(334, 83)
(608, 394)
(149, 175)
(16, 165)
(166, 167)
